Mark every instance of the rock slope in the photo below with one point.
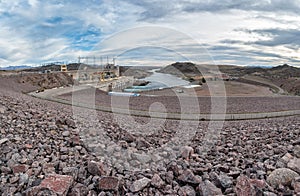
(44, 151)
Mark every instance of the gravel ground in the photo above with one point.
(177, 104)
(52, 149)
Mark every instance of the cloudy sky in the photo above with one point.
(243, 32)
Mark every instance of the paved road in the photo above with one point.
(51, 95)
(260, 80)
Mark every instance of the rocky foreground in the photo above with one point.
(46, 150)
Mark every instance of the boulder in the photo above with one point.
(59, 184)
(282, 176)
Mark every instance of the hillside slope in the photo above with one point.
(47, 81)
(182, 69)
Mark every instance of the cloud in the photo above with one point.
(159, 9)
(248, 5)
(279, 37)
(35, 31)
(43, 29)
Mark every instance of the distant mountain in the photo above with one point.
(15, 67)
(56, 67)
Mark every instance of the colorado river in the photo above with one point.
(161, 80)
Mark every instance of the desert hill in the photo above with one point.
(182, 69)
(54, 67)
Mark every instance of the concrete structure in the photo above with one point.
(63, 68)
(95, 70)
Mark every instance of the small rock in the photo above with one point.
(225, 181)
(59, 184)
(23, 178)
(78, 148)
(229, 191)
(260, 172)
(186, 191)
(37, 190)
(258, 183)
(244, 187)
(14, 179)
(294, 164)
(188, 177)
(70, 123)
(2, 111)
(92, 193)
(286, 158)
(157, 182)
(141, 143)
(207, 188)
(102, 193)
(234, 174)
(109, 184)
(28, 146)
(66, 133)
(75, 140)
(123, 144)
(297, 151)
(96, 168)
(267, 193)
(296, 184)
(48, 168)
(71, 171)
(139, 185)
(282, 176)
(174, 168)
(2, 141)
(142, 158)
(186, 152)
(5, 170)
(64, 150)
(60, 122)
(169, 177)
(20, 168)
(79, 189)
(128, 137)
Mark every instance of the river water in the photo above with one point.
(159, 81)
(162, 80)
